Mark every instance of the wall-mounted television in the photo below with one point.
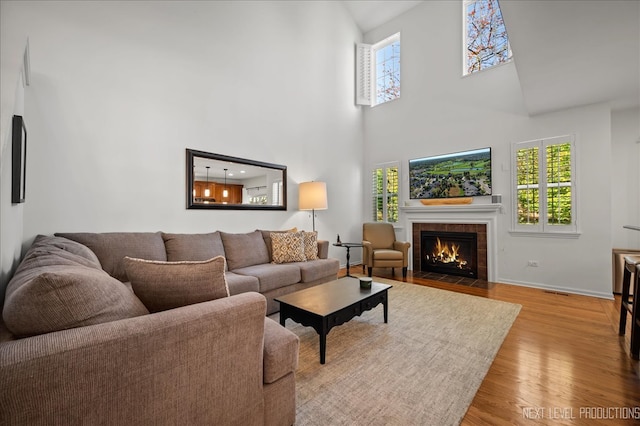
(459, 174)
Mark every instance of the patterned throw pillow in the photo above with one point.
(167, 285)
(310, 245)
(287, 247)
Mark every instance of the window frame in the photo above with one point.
(385, 192)
(543, 227)
(366, 73)
(465, 65)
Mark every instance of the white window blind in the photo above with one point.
(363, 74)
(378, 71)
(385, 196)
(545, 186)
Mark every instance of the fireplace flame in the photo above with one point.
(444, 253)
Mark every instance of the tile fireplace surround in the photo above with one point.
(479, 218)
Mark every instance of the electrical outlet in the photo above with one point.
(533, 263)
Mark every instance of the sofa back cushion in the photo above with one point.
(244, 250)
(182, 247)
(112, 247)
(57, 287)
(167, 285)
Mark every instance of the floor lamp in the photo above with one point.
(312, 196)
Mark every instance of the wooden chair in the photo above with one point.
(381, 250)
(630, 304)
(635, 317)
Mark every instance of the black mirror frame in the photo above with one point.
(191, 153)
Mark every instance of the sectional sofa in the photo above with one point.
(77, 346)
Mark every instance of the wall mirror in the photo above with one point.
(216, 181)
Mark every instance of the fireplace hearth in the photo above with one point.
(451, 253)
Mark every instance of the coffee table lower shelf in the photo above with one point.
(300, 308)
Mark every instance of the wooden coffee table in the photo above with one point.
(331, 304)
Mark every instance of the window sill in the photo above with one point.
(566, 235)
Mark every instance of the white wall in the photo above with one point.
(120, 89)
(440, 112)
(13, 41)
(625, 177)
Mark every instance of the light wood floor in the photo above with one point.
(561, 360)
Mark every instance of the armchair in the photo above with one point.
(381, 250)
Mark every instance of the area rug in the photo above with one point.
(421, 368)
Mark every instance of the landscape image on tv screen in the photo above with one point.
(460, 174)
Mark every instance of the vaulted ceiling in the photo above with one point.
(567, 53)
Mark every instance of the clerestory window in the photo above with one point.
(485, 36)
(378, 71)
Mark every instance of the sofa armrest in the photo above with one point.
(323, 249)
(198, 364)
(281, 348)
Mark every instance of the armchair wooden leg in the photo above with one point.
(404, 272)
(393, 271)
(370, 270)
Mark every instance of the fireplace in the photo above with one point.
(450, 253)
(476, 266)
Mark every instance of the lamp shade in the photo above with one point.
(312, 196)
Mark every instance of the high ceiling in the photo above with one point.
(567, 52)
(371, 14)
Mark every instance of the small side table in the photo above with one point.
(348, 247)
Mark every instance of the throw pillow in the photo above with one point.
(310, 245)
(167, 285)
(50, 293)
(287, 247)
(266, 235)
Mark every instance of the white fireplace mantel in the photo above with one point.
(486, 214)
(453, 208)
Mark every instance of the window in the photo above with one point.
(378, 71)
(385, 192)
(545, 185)
(276, 193)
(485, 36)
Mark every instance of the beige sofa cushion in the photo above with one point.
(244, 250)
(112, 247)
(167, 285)
(287, 247)
(57, 287)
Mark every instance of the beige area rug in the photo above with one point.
(422, 368)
